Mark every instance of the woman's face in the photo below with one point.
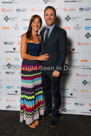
(36, 24)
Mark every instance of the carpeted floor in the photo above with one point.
(69, 125)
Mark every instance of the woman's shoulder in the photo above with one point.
(24, 38)
(23, 35)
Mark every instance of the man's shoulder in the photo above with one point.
(61, 29)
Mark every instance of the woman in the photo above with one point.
(31, 82)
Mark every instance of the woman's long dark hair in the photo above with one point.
(29, 31)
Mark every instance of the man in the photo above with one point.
(53, 42)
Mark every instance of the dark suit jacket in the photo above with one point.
(56, 47)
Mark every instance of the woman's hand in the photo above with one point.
(43, 57)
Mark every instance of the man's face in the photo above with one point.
(49, 17)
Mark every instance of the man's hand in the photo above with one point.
(55, 73)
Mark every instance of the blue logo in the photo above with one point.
(65, 110)
(88, 35)
(16, 59)
(67, 18)
(20, 10)
(46, 1)
(87, 28)
(6, 18)
(9, 87)
(9, 65)
(81, 9)
(25, 28)
(84, 82)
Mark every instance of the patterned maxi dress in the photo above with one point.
(31, 106)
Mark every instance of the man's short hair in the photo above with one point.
(50, 7)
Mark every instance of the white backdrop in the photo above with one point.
(72, 15)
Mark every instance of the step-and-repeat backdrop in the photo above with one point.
(72, 15)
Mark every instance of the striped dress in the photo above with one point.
(31, 106)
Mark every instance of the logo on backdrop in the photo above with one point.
(85, 82)
(88, 35)
(46, 1)
(37, 10)
(6, 10)
(77, 27)
(8, 43)
(67, 18)
(85, 9)
(87, 19)
(10, 2)
(6, 18)
(73, 0)
(11, 66)
(21, 10)
(72, 9)
(79, 104)
(79, 43)
(87, 27)
(9, 72)
(11, 107)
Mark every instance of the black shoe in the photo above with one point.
(47, 113)
(54, 121)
